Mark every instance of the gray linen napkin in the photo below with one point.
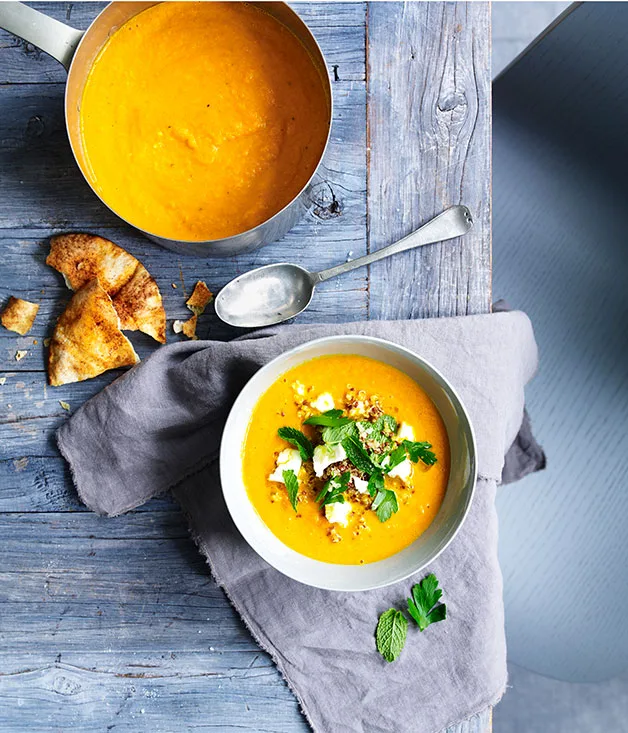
(158, 427)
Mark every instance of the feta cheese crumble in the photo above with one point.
(325, 455)
(323, 402)
(288, 460)
(402, 471)
(361, 486)
(405, 432)
(337, 513)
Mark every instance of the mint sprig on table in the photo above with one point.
(292, 486)
(390, 635)
(299, 440)
(423, 607)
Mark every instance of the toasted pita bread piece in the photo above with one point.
(187, 328)
(87, 339)
(139, 305)
(201, 296)
(19, 315)
(83, 257)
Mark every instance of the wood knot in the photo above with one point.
(34, 127)
(65, 686)
(453, 102)
(326, 204)
(28, 48)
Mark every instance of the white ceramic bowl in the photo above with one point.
(420, 553)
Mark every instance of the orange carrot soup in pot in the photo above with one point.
(200, 120)
(346, 459)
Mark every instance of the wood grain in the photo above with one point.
(116, 624)
(429, 148)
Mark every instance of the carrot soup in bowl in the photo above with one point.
(201, 120)
(348, 463)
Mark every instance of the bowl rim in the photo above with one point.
(258, 376)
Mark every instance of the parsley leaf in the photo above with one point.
(420, 451)
(292, 486)
(396, 457)
(422, 606)
(298, 439)
(338, 434)
(376, 483)
(332, 491)
(357, 455)
(329, 419)
(390, 635)
(385, 504)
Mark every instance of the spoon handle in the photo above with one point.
(453, 222)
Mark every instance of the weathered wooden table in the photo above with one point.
(115, 624)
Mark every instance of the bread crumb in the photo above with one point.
(201, 296)
(2, 380)
(19, 315)
(20, 354)
(65, 405)
(175, 286)
(187, 328)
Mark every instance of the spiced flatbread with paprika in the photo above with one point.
(135, 294)
(87, 339)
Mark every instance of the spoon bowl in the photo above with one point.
(265, 296)
(276, 293)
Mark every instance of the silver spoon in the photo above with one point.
(276, 293)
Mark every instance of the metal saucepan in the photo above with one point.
(77, 50)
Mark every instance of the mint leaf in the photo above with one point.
(385, 424)
(299, 440)
(357, 455)
(420, 450)
(376, 483)
(377, 432)
(329, 419)
(338, 434)
(385, 504)
(292, 486)
(390, 635)
(332, 491)
(396, 457)
(422, 606)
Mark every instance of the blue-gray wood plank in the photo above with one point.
(116, 624)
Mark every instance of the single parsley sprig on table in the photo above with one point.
(423, 607)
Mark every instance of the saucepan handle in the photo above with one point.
(52, 36)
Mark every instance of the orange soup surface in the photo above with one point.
(364, 390)
(200, 120)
